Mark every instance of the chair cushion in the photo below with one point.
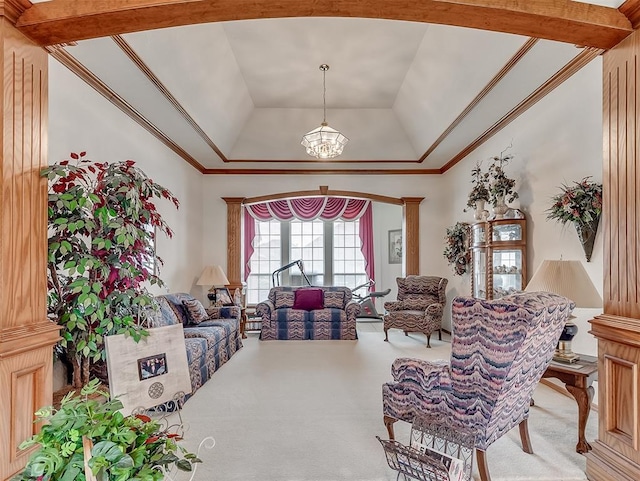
(196, 310)
(284, 299)
(309, 299)
(334, 299)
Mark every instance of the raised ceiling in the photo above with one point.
(237, 96)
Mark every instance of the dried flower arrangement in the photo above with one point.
(456, 249)
(580, 203)
(479, 190)
(501, 186)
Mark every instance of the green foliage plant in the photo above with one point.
(479, 191)
(102, 227)
(456, 249)
(501, 186)
(124, 447)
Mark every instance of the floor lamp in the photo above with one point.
(568, 279)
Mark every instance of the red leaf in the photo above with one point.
(64, 162)
(74, 156)
(82, 154)
(152, 439)
(144, 418)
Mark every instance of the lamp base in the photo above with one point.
(564, 353)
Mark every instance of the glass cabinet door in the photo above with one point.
(478, 234)
(509, 232)
(507, 271)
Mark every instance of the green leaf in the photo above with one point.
(109, 450)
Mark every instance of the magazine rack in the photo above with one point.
(438, 440)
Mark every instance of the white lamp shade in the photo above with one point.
(213, 276)
(568, 279)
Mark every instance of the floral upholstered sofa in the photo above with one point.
(300, 313)
(212, 335)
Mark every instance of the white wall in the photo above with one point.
(80, 119)
(558, 141)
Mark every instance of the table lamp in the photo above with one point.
(568, 279)
(212, 276)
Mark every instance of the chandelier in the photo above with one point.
(324, 142)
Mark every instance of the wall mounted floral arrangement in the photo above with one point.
(456, 249)
(580, 204)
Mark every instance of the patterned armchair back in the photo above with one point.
(500, 350)
(421, 291)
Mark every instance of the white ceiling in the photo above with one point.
(254, 87)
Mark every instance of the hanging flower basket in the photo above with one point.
(587, 235)
(580, 204)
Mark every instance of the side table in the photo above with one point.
(578, 379)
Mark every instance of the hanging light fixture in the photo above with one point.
(324, 142)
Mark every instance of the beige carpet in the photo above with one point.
(310, 411)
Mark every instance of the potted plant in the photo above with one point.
(456, 249)
(580, 204)
(479, 193)
(102, 226)
(501, 187)
(90, 428)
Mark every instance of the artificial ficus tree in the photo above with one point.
(102, 226)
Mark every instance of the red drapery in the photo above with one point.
(307, 209)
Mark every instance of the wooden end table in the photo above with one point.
(578, 379)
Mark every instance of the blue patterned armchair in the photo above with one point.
(419, 308)
(500, 350)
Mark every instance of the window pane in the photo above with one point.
(348, 261)
(266, 255)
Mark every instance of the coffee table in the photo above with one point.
(578, 378)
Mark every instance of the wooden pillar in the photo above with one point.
(234, 241)
(26, 336)
(411, 234)
(616, 452)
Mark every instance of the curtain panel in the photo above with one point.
(308, 209)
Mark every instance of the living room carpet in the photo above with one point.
(310, 411)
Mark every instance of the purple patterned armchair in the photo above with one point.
(419, 308)
(500, 350)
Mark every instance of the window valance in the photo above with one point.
(307, 209)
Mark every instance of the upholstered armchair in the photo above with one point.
(500, 349)
(419, 308)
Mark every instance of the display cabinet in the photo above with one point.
(498, 257)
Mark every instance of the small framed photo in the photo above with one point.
(152, 366)
(395, 246)
(223, 297)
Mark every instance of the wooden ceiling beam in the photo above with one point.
(63, 21)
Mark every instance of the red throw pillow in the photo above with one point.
(309, 299)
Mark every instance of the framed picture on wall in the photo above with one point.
(395, 246)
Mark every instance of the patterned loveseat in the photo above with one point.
(210, 342)
(331, 314)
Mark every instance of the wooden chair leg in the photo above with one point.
(439, 334)
(483, 467)
(524, 437)
(429, 340)
(386, 334)
(406, 333)
(388, 422)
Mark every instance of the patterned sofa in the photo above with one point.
(333, 316)
(209, 343)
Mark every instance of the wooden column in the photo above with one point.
(26, 336)
(616, 452)
(234, 241)
(411, 234)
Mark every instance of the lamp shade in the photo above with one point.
(213, 276)
(568, 279)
